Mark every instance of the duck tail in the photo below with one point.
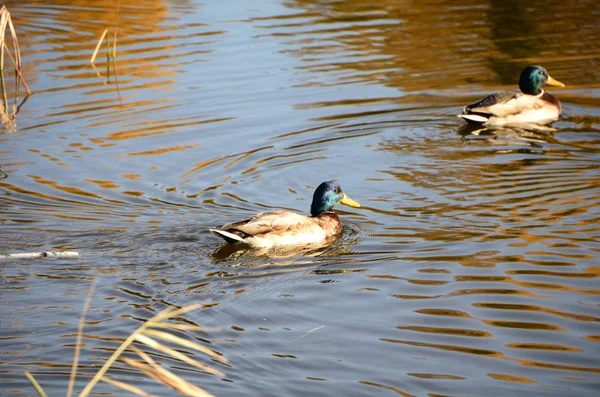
(229, 237)
(473, 118)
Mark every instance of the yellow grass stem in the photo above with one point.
(111, 360)
(174, 353)
(98, 46)
(114, 54)
(181, 385)
(18, 70)
(169, 312)
(107, 40)
(3, 23)
(183, 342)
(18, 62)
(115, 66)
(151, 370)
(5, 117)
(126, 386)
(184, 327)
(167, 377)
(6, 21)
(35, 385)
(145, 368)
(86, 305)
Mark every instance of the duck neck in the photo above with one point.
(328, 221)
(321, 214)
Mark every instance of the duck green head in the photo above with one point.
(327, 195)
(533, 78)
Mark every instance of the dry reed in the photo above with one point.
(109, 56)
(6, 23)
(148, 366)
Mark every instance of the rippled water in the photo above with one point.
(471, 269)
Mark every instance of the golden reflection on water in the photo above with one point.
(549, 310)
(390, 33)
(511, 378)
(448, 331)
(493, 354)
(147, 60)
(380, 386)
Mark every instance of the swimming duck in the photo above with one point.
(276, 228)
(530, 105)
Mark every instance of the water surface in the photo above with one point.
(471, 269)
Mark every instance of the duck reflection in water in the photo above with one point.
(528, 134)
(233, 251)
(288, 229)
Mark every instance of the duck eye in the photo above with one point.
(338, 190)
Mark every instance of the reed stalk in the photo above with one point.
(147, 366)
(35, 385)
(6, 21)
(86, 305)
(93, 59)
(7, 24)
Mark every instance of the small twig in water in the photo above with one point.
(43, 254)
(309, 331)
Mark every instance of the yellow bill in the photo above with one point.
(348, 201)
(557, 83)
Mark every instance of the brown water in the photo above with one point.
(471, 269)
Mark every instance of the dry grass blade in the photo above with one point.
(114, 54)
(186, 343)
(3, 22)
(86, 305)
(117, 353)
(174, 353)
(185, 327)
(6, 21)
(154, 370)
(18, 69)
(167, 377)
(36, 385)
(144, 368)
(127, 386)
(18, 63)
(181, 385)
(150, 370)
(171, 312)
(144, 356)
(98, 46)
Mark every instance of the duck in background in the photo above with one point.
(532, 104)
(277, 228)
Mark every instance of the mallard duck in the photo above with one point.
(530, 105)
(276, 228)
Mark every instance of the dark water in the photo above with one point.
(471, 269)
